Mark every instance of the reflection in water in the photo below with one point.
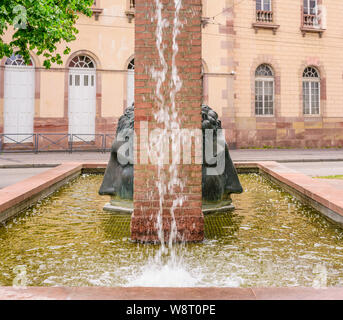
(269, 240)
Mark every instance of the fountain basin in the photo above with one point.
(315, 193)
(270, 240)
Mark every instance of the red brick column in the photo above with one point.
(189, 218)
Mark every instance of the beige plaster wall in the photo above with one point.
(290, 51)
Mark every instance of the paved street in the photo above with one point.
(310, 162)
(282, 155)
(320, 169)
(14, 175)
(317, 169)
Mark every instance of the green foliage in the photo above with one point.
(39, 26)
(330, 177)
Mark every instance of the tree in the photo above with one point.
(39, 26)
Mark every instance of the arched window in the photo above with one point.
(82, 66)
(264, 90)
(131, 83)
(82, 98)
(131, 65)
(17, 60)
(311, 91)
(82, 62)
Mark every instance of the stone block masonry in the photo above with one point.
(188, 217)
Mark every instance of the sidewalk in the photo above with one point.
(282, 155)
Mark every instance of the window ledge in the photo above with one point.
(97, 12)
(265, 25)
(305, 30)
(260, 116)
(130, 14)
(312, 116)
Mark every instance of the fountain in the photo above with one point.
(273, 240)
(169, 195)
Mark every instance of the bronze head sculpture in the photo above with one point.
(119, 175)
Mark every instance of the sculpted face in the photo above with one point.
(118, 179)
(218, 187)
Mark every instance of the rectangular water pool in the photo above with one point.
(270, 240)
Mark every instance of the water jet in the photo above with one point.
(169, 194)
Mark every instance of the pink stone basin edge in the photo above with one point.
(322, 196)
(140, 293)
(315, 191)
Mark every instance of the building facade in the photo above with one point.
(272, 69)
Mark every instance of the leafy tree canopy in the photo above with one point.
(39, 26)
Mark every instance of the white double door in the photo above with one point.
(130, 87)
(82, 104)
(19, 104)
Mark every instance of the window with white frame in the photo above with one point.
(82, 62)
(310, 17)
(17, 60)
(264, 90)
(264, 5)
(311, 91)
(310, 7)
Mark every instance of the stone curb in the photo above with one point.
(160, 294)
(19, 196)
(28, 166)
(53, 165)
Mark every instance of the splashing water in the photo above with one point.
(168, 116)
(167, 275)
(166, 268)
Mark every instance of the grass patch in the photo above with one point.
(330, 177)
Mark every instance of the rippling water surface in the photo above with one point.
(269, 240)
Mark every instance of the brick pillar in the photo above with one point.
(189, 218)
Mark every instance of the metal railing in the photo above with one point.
(18, 142)
(47, 142)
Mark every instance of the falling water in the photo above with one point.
(166, 268)
(168, 116)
